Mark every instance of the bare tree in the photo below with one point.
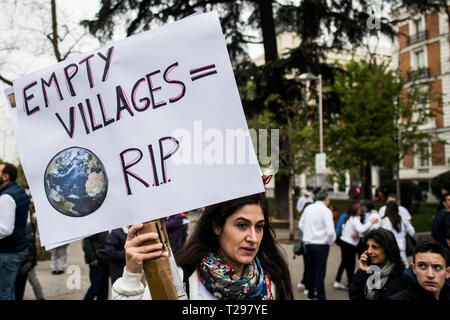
(27, 31)
(35, 34)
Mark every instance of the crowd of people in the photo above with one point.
(232, 252)
(379, 240)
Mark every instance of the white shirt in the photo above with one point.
(203, 293)
(317, 224)
(369, 216)
(402, 211)
(7, 215)
(352, 225)
(400, 236)
(302, 201)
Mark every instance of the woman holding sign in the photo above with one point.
(232, 254)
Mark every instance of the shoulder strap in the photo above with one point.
(186, 281)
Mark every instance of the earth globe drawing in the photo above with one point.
(76, 182)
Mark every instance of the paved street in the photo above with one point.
(296, 269)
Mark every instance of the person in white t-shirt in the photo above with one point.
(317, 226)
(350, 235)
(395, 223)
(303, 200)
(368, 210)
(404, 213)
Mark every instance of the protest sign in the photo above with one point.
(98, 134)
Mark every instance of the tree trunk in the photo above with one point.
(268, 30)
(366, 181)
(282, 190)
(54, 37)
(291, 209)
(282, 181)
(397, 182)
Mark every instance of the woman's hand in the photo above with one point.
(374, 220)
(136, 253)
(363, 261)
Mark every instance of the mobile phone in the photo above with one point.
(368, 261)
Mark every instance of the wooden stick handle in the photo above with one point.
(157, 271)
(12, 100)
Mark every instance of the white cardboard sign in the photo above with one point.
(97, 133)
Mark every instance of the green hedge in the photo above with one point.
(422, 219)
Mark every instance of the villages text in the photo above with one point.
(141, 97)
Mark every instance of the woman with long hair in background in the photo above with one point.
(393, 222)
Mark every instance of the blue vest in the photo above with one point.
(18, 240)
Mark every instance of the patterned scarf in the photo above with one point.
(222, 282)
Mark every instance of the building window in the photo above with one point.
(421, 70)
(420, 32)
(420, 59)
(424, 157)
(418, 25)
(422, 114)
(422, 106)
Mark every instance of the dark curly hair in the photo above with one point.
(433, 247)
(203, 240)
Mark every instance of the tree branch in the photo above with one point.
(54, 38)
(8, 82)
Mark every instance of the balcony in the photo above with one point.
(416, 38)
(419, 74)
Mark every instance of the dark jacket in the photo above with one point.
(31, 260)
(414, 291)
(94, 248)
(175, 231)
(395, 283)
(115, 242)
(441, 224)
(19, 239)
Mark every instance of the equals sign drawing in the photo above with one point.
(201, 72)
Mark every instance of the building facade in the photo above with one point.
(423, 45)
(382, 51)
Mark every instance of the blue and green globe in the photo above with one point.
(75, 182)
